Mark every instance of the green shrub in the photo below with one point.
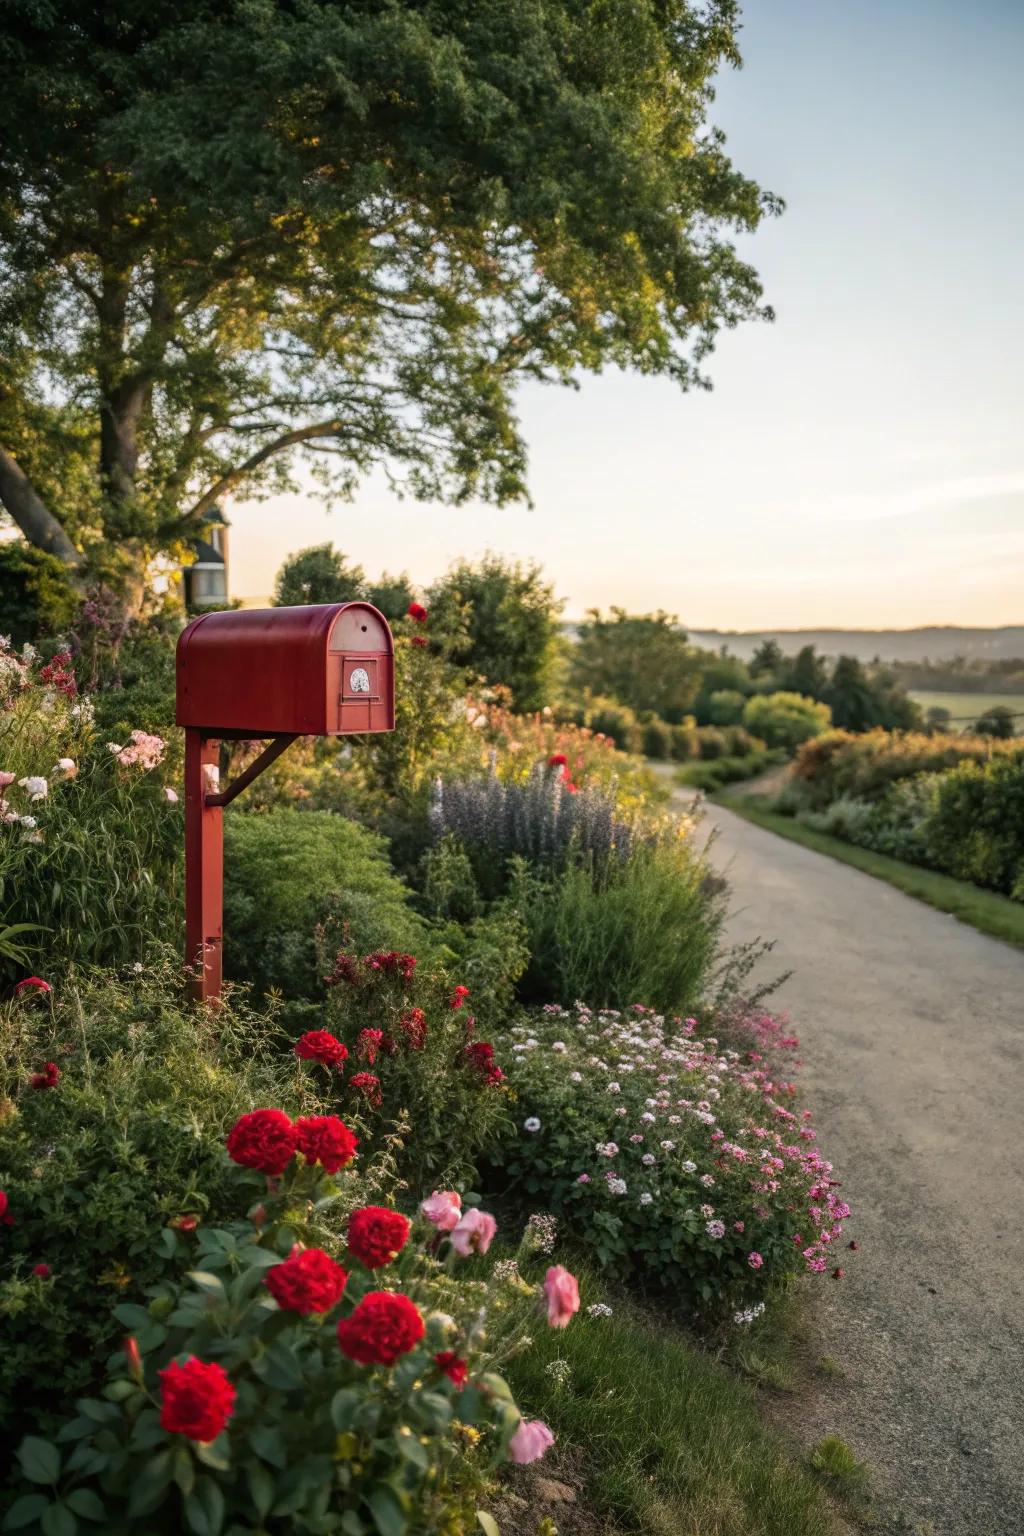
(128, 1140)
(656, 739)
(608, 718)
(646, 927)
(36, 598)
(724, 770)
(90, 851)
(668, 1156)
(725, 707)
(786, 719)
(285, 873)
(685, 741)
(975, 829)
(840, 763)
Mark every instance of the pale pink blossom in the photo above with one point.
(530, 1441)
(443, 1209)
(754, 1260)
(170, 795)
(473, 1233)
(563, 1296)
(66, 767)
(6, 779)
(142, 750)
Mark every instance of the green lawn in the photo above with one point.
(985, 910)
(965, 708)
(671, 1441)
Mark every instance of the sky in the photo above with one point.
(860, 462)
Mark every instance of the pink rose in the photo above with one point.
(754, 1260)
(530, 1441)
(443, 1209)
(563, 1295)
(473, 1234)
(6, 779)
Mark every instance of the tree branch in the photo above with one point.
(32, 516)
(227, 482)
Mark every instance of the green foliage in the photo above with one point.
(89, 856)
(36, 598)
(288, 871)
(767, 659)
(647, 927)
(392, 595)
(999, 721)
(834, 1461)
(419, 1062)
(645, 1138)
(347, 236)
(499, 621)
(725, 707)
(311, 1439)
(975, 829)
(605, 717)
(320, 574)
(860, 702)
(656, 739)
(643, 660)
(805, 673)
(129, 1139)
(715, 775)
(720, 673)
(785, 719)
(863, 766)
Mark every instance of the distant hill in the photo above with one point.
(934, 642)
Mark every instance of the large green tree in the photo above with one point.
(499, 620)
(643, 660)
(237, 236)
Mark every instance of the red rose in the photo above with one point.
(308, 1281)
(369, 1086)
(49, 1077)
(391, 960)
(265, 1139)
(481, 1056)
(42, 1270)
(458, 997)
(376, 1234)
(558, 760)
(32, 984)
(5, 1215)
(420, 640)
(326, 1140)
(368, 1043)
(197, 1399)
(383, 1326)
(320, 1045)
(449, 1364)
(418, 612)
(414, 1027)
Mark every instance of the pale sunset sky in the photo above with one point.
(861, 461)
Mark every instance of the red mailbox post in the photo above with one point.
(272, 674)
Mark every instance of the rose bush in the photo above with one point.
(668, 1155)
(272, 1387)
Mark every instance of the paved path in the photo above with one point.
(912, 1033)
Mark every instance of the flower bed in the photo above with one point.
(670, 1156)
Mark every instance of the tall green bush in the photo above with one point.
(976, 826)
(288, 871)
(785, 719)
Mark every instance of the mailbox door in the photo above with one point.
(360, 672)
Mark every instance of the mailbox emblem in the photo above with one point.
(359, 681)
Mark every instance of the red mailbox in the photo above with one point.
(279, 673)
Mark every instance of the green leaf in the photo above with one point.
(213, 1285)
(132, 1316)
(268, 1443)
(87, 1504)
(386, 1509)
(412, 1450)
(217, 1454)
(117, 1391)
(211, 1501)
(261, 1489)
(351, 1524)
(57, 1520)
(487, 1523)
(40, 1461)
(344, 1406)
(24, 1510)
(184, 1472)
(279, 1368)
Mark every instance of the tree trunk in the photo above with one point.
(32, 516)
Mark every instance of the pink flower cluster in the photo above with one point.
(142, 751)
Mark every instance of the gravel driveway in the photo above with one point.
(912, 1036)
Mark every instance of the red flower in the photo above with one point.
(5, 1216)
(186, 1223)
(369, 1086)
(265, 1139)
(450, 1365)
(49, 1077)
(320, 1045)
(346, 968)
(42, 1270)
(383, 1326)
(391, 960)
(307, 1281)
(837, 1274)
(418, 612)
(57, 672)
(414, 1027)
(481, 1056)
(420, 640)
(376, 1235)
(326, 1140)
(558, 760)
(32, 984)
(458, 997)
(197, 1399)
(368, 1043)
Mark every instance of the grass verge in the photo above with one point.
(987, 911)
(671, 1442)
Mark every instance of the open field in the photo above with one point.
(965, 708)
